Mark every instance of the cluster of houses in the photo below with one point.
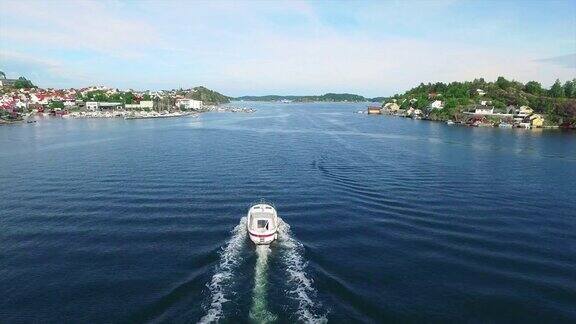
(481, 114)
(513, 116)
(393, 108)
(21, 102)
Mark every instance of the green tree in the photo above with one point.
(517, 85)
(97, 95)
(556, 90)
(533, 87)
(3, 75)
(404, 103)
(450, 104)
(569, 89)
(23, 83)
(502, 83)
(128, 98)
(498, 105)
(56, 104)
(422, 102)
(146, 97)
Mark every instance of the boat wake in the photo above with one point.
(259, 312)
(302, 289)
(229, 260)
(290, 252)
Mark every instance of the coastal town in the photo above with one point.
(21, 101)
(479, 115)
(479, 103)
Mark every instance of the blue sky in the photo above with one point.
(263, 47)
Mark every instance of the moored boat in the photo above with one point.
(262, 223)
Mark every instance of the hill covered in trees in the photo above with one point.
(207, 96)
(127, 97)
(557, 104)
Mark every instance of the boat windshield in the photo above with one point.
(262, 223)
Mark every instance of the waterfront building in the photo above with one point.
(483, 110)
(188, 104)
(537, 120)
(142, 105)
(525, 111)
(374, 111)
(95, 106)
(91, 106)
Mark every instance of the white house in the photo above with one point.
(188, 104)
(91, 105)
(69, 103)
(436, 104)
(144, 104)
(484, 110)
(21, 105)
(480, 92)
(110, 105)
(39, 99)
(525, 111)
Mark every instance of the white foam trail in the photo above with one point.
(259, 312)
(303, 290)
(229, 260)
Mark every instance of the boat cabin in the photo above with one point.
(262, 218)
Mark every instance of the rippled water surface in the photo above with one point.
(384, 219)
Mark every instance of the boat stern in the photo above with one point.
(260, 239)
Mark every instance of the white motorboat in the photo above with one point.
(262, 223)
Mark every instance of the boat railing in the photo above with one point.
(262, 201)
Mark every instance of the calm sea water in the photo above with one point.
(386, 219)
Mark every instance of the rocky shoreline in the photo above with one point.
(125, 114)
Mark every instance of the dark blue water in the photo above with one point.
(390, 219)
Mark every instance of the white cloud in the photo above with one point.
(37, 68)
(367, 66)
(568, 61)
(260, 47)
(80, 25)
